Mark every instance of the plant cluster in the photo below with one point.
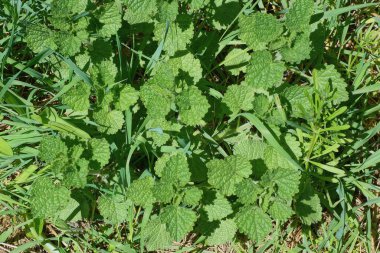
(166, 118)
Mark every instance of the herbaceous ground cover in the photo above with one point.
(189, 126)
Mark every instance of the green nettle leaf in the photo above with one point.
(68, 7)
(287, 181)
(141, 192)
(225, 174)
(114, 208)
(179, 220)
(161, 163)
(219, 209)
(236, 61)
(327, 80)
(68, 43)
(248, 191)
(109, 122)
(280, 210)
(104, 73)
(308, 206)
(160, 130)
(127, 97)
(294, 145)
(298, 17)
(47, 199)
(176, 38)
(193, 196)
(187, 67)
(299, 99)
(259, 29)
(262, 72)
(157, 99)
(250, 149)
(75, 176)
(52, 148)
(239, 98)
(167, 11)
(155, 235)
(176, 170)
(192, 106)
(274, 159)
(198, 4)
(223, 234)
(76, 152)
(110, 17)
(261, 104)
(253, 222)
(40, 37)
(163, 192)
(77, 98)
(299, 49)
(100, 149)
(140, 11)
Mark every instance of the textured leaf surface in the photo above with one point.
(75, 176)
(253, 222)
(280, 210)
(167, 11)
(179, 220)
(68, 43)
(286, 179)
(298, 98)
(40, 37)
(110, 122)
(192, 106)
(157, 99)
(140, 11)
(308, 206)
(298, 17)
(236, 61)
(77, 98)
(176, 38)
(163, 192)
(114, 208)
(250, 149)
(263, 72)
(239, 98)
(273, 159)
(223, 234)
(219, 209)
(225, 174)
(160, 130)
(100, 151)
(176, 170)
(329, 76)
(52, 148)
(156, 236)
(110, 17)
(127, 97)
(299, 50)
(141, 191)
(247, 191)
(259, 29)
(192, 196)
(261, 104)
(68, 7)
(104, 72)
(46, 199)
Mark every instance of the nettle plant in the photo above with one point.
(200, 136)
